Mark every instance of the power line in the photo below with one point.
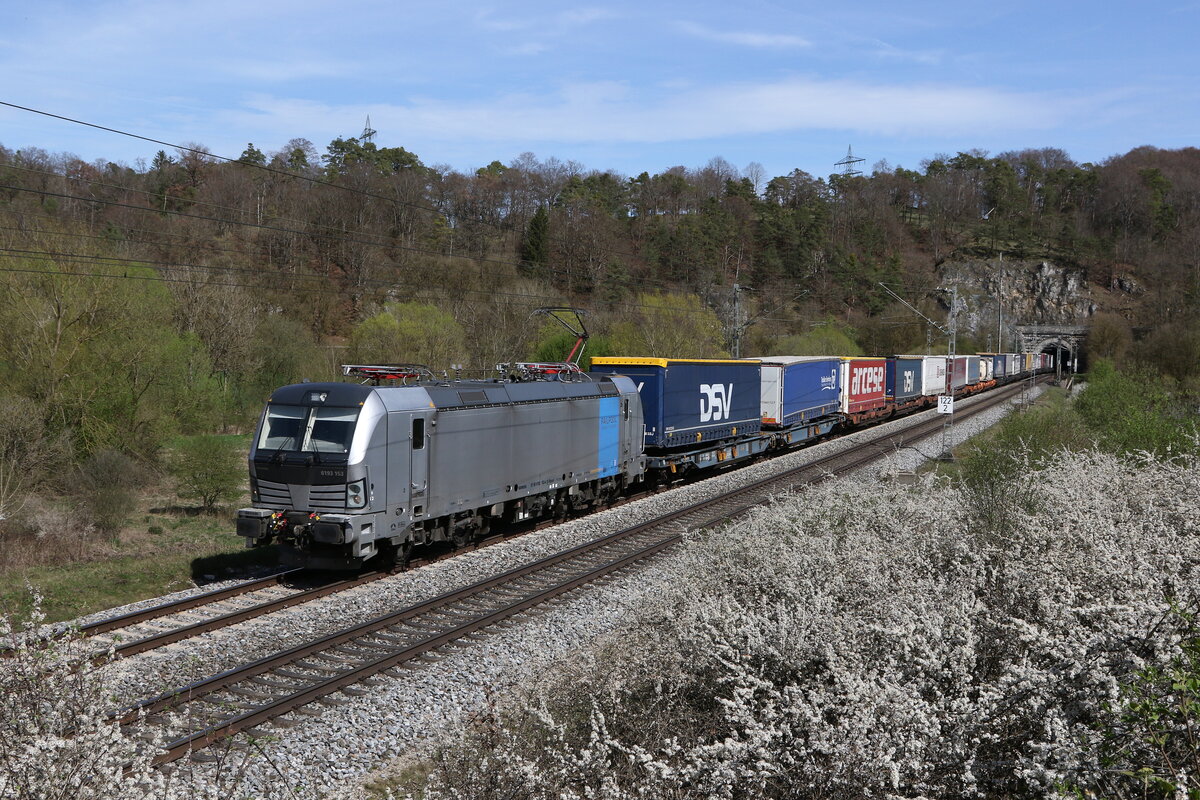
(226, 159)
(264, 167)
(262, 226)
(286, 174)
(341, 237)
(106, 261)
(150, 193)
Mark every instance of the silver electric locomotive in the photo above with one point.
(342, 472)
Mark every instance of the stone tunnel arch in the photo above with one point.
(1066, 342)
(1063, 350)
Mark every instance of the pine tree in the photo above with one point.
(536, 246)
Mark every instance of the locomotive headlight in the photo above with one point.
(356, 496)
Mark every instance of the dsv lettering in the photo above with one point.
(867, 379)
(716, 402)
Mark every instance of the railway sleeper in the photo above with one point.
(325, 668)
(475, 603)
(399, 641)
(309, 710)
(301, 677)
(265, 680)
(343, 659)
(370, 681)
(363, 649)
(453, 616)
(247, 692)
(401, 670)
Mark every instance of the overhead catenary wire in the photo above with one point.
(191, 202)
(290, 175)
(114, 262)
(257, 225)
(263, 226)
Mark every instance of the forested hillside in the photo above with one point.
(170, 296)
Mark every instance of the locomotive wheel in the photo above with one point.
(394, 558)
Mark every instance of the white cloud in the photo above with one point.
(553, 24)
(745, 38)
(613, 111)
(281, 68)
(928, 57)
(582, 16)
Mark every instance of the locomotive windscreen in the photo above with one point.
(307, 429)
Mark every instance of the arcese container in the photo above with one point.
(864, 386)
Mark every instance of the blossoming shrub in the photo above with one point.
(55, 740)
(858, 639)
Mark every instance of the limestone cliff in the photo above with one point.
(1029, 292)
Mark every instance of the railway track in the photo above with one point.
(146, 629)
(149, 628)
(342, 665)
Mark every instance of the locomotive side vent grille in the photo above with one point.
(327, 498)
(274, 493)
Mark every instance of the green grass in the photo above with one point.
(162, 547)
(1053, 401)
(167, 555)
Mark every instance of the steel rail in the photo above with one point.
(181, 747)
(241, 615)
(183, 604)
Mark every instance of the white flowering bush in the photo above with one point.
(868, 640)
(58, 740)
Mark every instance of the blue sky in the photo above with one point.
(628, 86)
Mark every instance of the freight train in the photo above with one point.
(342, 473)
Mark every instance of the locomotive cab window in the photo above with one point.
(418, 438)
(302, 429)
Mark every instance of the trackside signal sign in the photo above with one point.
(945, 404)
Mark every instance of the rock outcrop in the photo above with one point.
(1031, 292)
